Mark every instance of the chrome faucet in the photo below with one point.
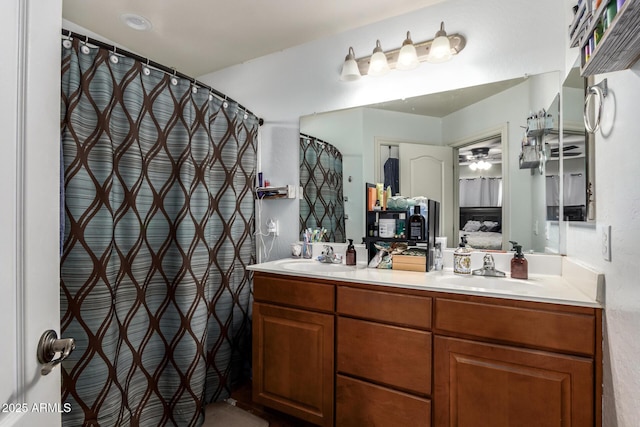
(488, 268)
(329, 256)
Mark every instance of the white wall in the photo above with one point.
(617, 205)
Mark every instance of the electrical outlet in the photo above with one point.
(272, 227)
(606, 242)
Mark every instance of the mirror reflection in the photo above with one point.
(569, 157)
(456, 128)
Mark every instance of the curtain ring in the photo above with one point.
(174, 79)
(194, 87)
(85, 49)
(114, 57)
(145, 70)
(66, 43)
(598, 92)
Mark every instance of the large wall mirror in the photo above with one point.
(481, 123)
(570, 190)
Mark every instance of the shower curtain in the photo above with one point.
(159, 226)
(321, 180)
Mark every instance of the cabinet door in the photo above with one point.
(293, 362)
(477, 384)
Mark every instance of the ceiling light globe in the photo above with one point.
(473, 166)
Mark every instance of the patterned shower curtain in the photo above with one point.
(158, 232)
(321, 181)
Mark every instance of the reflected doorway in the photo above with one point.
(480, 192)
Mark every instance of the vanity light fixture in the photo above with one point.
(378, 66)
(440, 47)
(407, 57)
(350, 69)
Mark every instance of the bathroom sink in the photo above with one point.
(310, 266)
(484, 283)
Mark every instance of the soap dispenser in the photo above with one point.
(462, 258)
(351, 254)
(519, 264)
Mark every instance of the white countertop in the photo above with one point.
(577, 285)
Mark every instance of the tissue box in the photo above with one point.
(409, 262)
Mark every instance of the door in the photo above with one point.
(427, 170)
(29, 194)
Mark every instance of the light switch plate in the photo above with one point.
(606, 242)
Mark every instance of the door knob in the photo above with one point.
(49, 345)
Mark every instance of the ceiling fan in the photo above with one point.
(567, 151)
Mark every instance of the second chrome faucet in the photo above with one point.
(488, 268)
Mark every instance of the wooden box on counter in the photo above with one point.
(409, 262)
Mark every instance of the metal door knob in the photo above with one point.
(49, 345)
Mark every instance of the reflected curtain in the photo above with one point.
(480, 192)
(321, 180)
(574, 186)
(158, 231)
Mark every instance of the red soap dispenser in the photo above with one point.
(519, 264)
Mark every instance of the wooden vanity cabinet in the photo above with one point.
(293, 347)
(383, 358)
(352, 354)
(504, 363)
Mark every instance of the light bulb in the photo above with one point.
(440, 50)
(408, 57)
(350, 69)
(378, 65)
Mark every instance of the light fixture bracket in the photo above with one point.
(457, 41)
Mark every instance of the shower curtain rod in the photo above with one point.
(304, 135)
(160, 67)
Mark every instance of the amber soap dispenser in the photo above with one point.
(519, 264)
(351, 254)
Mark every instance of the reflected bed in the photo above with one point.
(482, 226)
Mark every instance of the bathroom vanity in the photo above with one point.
(355, 346)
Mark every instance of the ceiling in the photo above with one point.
(444, 103)
(201, 36)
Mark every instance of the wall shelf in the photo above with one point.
(619, 47)
(286, 192)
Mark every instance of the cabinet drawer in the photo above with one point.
(362, 404)
(388, 355)
(401, 309)
(567, 332)
(304, 294)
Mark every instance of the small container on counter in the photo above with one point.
(462, 258)
(519, 264)
(350, 256)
